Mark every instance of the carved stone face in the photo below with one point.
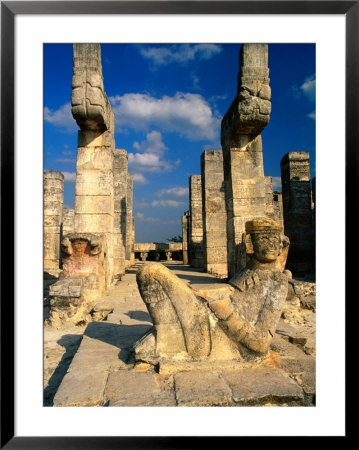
(267, 246)
(79, 247)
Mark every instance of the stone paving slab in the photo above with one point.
(261, 385)
(131, 388)
(198, 388)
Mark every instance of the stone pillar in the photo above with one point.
(143, 256)
(120, 210)
(278, 208)
(245, 185)
(297, 212)
(195, 244)
(185, 220)
(130, 241)
(68, 221)
(53, 206)
(214, 214)
(94, 200)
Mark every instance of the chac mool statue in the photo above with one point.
(233, 321)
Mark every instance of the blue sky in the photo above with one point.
(168, 102)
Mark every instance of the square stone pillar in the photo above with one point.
(130, 236)
(214, 214)
(297, 212)
(53, 210)
(195, 244)
(185, 225)
(94, 194)
(245, 185)
(120, 210)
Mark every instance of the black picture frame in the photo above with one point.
(9, 9)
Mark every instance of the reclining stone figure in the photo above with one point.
(233, 321)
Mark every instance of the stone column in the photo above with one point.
(120, 210)
(278, 208)
(185, 220)
(143, 256)
(53, 206)
(245, 187)
(68, 221)
(94, 201)
(130, 241)
(297, 212)
(195, 244)
(214, 214)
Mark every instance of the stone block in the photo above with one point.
(201, 388)
(131, 388)
(93, 223)
(261, 385)
(94, 182)
(93, 204)
(93, 158)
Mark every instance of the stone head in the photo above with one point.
(267, 240)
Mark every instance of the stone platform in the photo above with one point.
(102, 371)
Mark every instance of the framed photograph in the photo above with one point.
(36, 47)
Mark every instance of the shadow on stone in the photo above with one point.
(139, 315)
(71, 342)
(121, 336)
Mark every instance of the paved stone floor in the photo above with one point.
(92, 365)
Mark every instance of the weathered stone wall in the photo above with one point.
(120, 210)
(297, 212)
(185, 224)
(94, 194)
(195, 244)
(130, 236)
(214, 214)
(53, 207)
(68, 221)
(245, 185)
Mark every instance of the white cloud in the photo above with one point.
(69, 176)
(149, 158)
(178, 191)
(167, 203)
(187, 114)
(141, 218)
(276, 183)
(308, 88)
(139, 179)
(312, 115)
(180, 54)
(152, 144)
(61, 118)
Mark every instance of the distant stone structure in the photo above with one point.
(195, 243)
(214, 215)
(53, 206)
(297, 212)
(157, 251)
(278, 208)
(185, 225)
(234, 321)
(249, 114)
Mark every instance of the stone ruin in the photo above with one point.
(94, 243)
(232, 188)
